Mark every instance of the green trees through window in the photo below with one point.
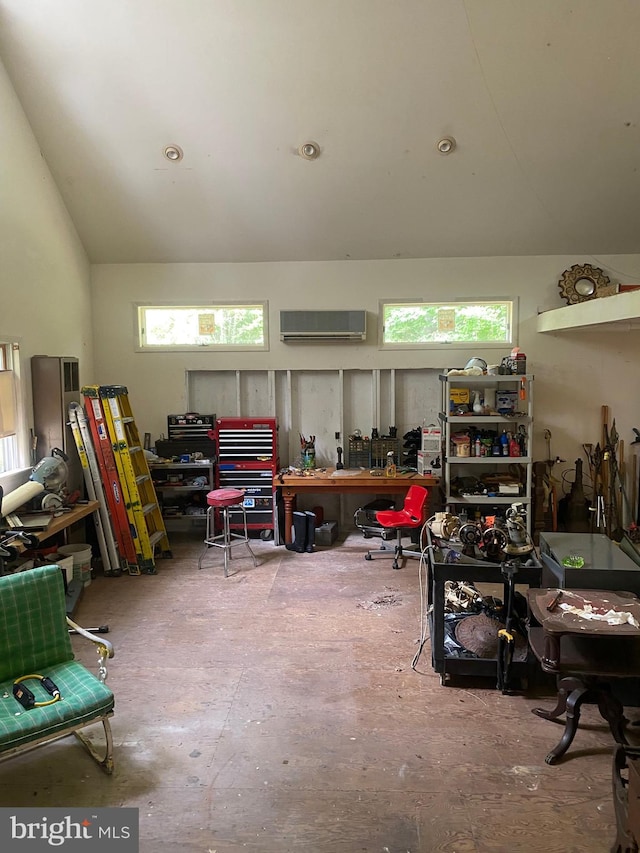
(244, 326)
(196, 326)
(424, 323)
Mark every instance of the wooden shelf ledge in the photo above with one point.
(620, 312)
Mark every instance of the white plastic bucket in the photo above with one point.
(65, 563)
(81, 561)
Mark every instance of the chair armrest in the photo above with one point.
(98, 640)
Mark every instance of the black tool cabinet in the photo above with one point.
(248, 459)
(191, 426)
(472, 572)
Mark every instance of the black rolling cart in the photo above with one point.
(444, 564)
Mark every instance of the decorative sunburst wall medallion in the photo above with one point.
(583, 282)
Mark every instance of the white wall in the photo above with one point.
(576, 372)
(44, 271)
(50, 297)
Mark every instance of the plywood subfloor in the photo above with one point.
(277, 710)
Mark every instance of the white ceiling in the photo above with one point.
(542, 98)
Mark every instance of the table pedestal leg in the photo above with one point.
(565, 687)
(572, 694)
(288, 516)
(574, 702)
(612, 710)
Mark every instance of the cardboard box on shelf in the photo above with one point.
(459, 398)
(431, 439)
(459, 395)
(424, 463)
(509, 489)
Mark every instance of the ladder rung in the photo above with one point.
(142, 507)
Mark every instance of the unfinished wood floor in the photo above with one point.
(277, 710)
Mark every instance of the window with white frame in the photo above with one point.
(9, 412)
(480, 322)
(232, 325)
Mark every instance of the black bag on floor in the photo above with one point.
(365, 519)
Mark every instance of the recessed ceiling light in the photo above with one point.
(446, 145)
(173, 153)
(309, 150)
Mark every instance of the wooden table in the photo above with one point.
(57, 524)
(347, 481)
(585, 655)
(66, 519)
(556, 657)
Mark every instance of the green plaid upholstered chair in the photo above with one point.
(34, 640)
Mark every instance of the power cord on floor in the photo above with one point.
(425, 608)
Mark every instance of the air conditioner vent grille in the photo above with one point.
(323, 326)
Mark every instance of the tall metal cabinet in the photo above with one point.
(55, 383)
(461, 471)
(248, 459)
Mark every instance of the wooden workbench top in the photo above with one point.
(66, 519)
(351, 477)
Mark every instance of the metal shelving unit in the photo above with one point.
(180, 485)
(474, 465)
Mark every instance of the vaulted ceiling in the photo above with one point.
(541, 98)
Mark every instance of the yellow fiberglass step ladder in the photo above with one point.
(115, 489)
(112, 563)
(134, 471)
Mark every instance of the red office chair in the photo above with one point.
(411, 517)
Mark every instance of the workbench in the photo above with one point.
(66, 520)
(344, 481)
(58, 524)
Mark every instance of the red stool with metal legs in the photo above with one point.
(411, 517)
(222, 502)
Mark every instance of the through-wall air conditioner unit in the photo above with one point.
(323, 326)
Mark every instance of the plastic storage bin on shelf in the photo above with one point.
(358, 452)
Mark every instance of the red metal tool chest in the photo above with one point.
(248, 459)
